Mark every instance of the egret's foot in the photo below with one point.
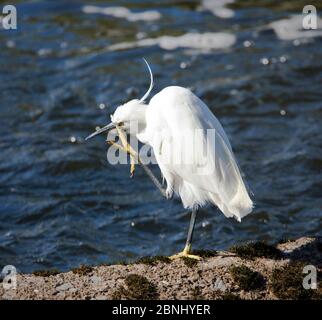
(113, 143)
(126, 149)
(185, 254)
(132, 169)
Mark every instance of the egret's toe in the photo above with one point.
(184, 254)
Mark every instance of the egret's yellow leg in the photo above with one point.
(113, 143)
(187, 249)
(185, 254)
(126, 147)
(135, 159)
(133, 155)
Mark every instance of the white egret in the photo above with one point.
(170, 116)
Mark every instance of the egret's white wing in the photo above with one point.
(198, 167)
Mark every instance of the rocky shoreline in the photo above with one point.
(251, 271)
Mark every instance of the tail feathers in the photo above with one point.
(238, 207)
(241, 205)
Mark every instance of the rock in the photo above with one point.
(174, 280)
(100, 297)
(96, 281)
(64, 287)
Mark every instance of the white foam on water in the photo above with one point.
(123, 13)
(291, 28)
(218, 8)
(202, 42)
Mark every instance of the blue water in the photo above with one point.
(62, 204)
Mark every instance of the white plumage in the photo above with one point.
(191, 149)
(173, 116)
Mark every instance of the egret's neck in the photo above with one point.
(140, 122)
(142, 125)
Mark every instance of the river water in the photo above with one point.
(70, 63)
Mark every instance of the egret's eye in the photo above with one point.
(120, 124)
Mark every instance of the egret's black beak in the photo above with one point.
(110, 126)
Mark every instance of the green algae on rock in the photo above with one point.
(258, 249)
(82, 270)
(189, 262)
(247, 279)
(205, 253)
(138, 288)
(287, 282)
(46, 273)
(153, 260)
(230, 296)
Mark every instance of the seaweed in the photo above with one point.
(137, 288)
(285, 240)
(82, 270)
(189, 262)
(153, 260)
(208, 253)
(287, 282)
(46, 273)
(247, 279)
(253, 250)
(230, 296)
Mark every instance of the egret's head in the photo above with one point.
(130, 115)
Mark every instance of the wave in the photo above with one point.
(123, 13)
(203, 42)
(292, 29)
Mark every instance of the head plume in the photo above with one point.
(151, 83)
